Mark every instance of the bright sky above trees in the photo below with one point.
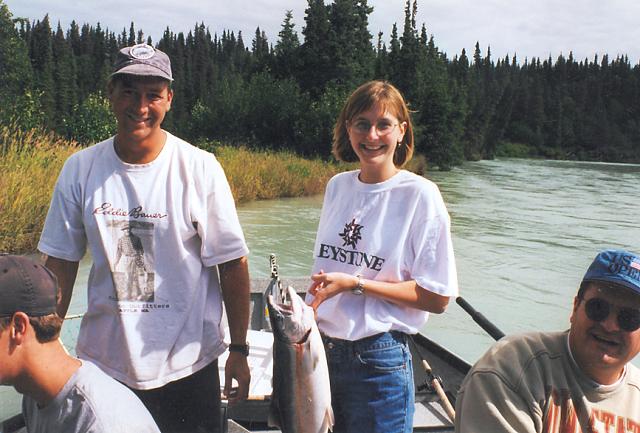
(527, 28)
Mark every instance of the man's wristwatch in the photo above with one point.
(359, 288)
(240, 348)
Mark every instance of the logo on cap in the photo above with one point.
(142, 51)
(143, 60)
(617, 267)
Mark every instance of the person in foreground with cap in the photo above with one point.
(61, 393)
(159, 212)
(579, 380)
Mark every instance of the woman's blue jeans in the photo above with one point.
(372, 387)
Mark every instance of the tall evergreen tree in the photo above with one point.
(41, 52)
(132, 35)
(286, 49)
(100, 57)
(438, 121)
(393, 65)
(351, 51)
(315, 52)
(18, 104)
(65, 78)
(409, 55)
(260, 51)
(15, 66)
(382, 58)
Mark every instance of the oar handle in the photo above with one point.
(446, 404)
(479, 318)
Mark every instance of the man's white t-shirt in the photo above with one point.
(155, 232)
(393, 231)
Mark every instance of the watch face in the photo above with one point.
(359, 288)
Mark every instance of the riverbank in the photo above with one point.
(31, 161)
(264, 175)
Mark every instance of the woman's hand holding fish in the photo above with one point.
(327, 285)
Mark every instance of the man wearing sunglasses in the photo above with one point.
(578, 380)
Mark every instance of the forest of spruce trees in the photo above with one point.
(285, 93)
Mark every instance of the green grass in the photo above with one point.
(29, 163)
(262, 175)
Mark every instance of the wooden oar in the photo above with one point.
(444, 400)
(479, 318)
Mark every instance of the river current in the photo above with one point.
(524, 233)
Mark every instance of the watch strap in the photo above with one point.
(359, 288)
(240, 348)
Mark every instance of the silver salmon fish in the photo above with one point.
(301, 399)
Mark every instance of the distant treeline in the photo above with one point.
(286, 93)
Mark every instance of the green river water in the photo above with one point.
(524, 233)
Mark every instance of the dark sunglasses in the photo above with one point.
(598, 309)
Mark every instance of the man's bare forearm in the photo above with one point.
(66, 272)
(235, 285)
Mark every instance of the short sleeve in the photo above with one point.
(218, 222)
(63, 235)
(434, 266)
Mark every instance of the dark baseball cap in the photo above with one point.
(616, 267)
(143, 60)
(26, 286)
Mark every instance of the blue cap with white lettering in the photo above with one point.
(617, 267)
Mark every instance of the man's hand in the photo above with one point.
(236, 368)
(234, 282)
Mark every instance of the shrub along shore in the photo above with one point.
(31, 161)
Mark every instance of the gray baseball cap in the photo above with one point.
(26, 286)
(143, 60)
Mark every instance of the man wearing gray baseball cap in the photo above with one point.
(160, 222)
(580, 380)
(61, 393)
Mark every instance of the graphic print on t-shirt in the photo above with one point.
(563, 416)
(132, 266)
(351, 234)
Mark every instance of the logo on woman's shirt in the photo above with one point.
(351, 234)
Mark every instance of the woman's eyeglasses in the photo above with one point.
(383, 127)
(598, 310)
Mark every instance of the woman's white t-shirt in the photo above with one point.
(393, 231)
